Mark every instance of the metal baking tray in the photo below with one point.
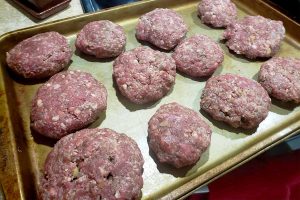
(23, 152)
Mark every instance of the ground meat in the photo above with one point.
(198, 56)
(144, 75)
(281, 78)
(218, 13)
(255, 36)
(103, 39)
(40, 56)
(69, 101)
(163, 28)
(236, 100)
(177, 135)
(93, 164)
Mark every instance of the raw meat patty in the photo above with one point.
(93, 164)
(69, 101)
(103, 39)
(144, 75)
(218, 13)
(163, 28)
(281, 78)
(177, 135)
(40, 56)
(255, 36)
(198, 56)
(236, 100)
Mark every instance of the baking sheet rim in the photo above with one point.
(187, 189)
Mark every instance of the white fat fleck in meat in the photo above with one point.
(55, 118)
(77, 111)
(63, 126)
(39, 103)
(164, 123)
(117, 194)
(124, 86)
(88, 84)
(56, 86)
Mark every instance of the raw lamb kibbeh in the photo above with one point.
(281, 78)
(236, 100)
(144, 75)
(255, 36)
(40, 56)
(217, 13)
(69, 101)
(178, 135)
(198, 56)
(161, 27)
(93, 164)
(102, 39)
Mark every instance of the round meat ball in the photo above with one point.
(178, 135)
(144, 75)
(93, 164)
(163, 28)
(255, 36)
(198, 56)
(218, 13)
(281, 78)
(236, 100)
(69, 101)
(102, 39)
(40, 56)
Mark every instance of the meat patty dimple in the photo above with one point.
(218, 13)
(144, 75)
(93, 164)
(69, 101)
(40, 56)
(102, 39)
(198, 56)
(281, 78)
(255, 36)
(163, 28)
(177, 135)
(236, 100)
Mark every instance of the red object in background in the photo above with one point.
(272, 177)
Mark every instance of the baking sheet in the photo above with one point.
(23, 152)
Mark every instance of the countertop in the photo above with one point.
(13, 17)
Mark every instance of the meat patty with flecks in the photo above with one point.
(178, 135)
(236, 100)
(69, 101)
(93, 164)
